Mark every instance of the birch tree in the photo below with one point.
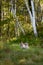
(32, 15)
(17, 22)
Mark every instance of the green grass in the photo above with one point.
(14, 55)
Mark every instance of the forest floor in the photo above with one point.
(14, 55)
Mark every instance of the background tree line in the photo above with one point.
(11, 26)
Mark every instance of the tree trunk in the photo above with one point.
(0, 18)
(17, 22)
(32, 16)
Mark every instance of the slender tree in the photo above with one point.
(32, 15)
(13, 10)
(0, 17)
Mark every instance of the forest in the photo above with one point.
(21, 24)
